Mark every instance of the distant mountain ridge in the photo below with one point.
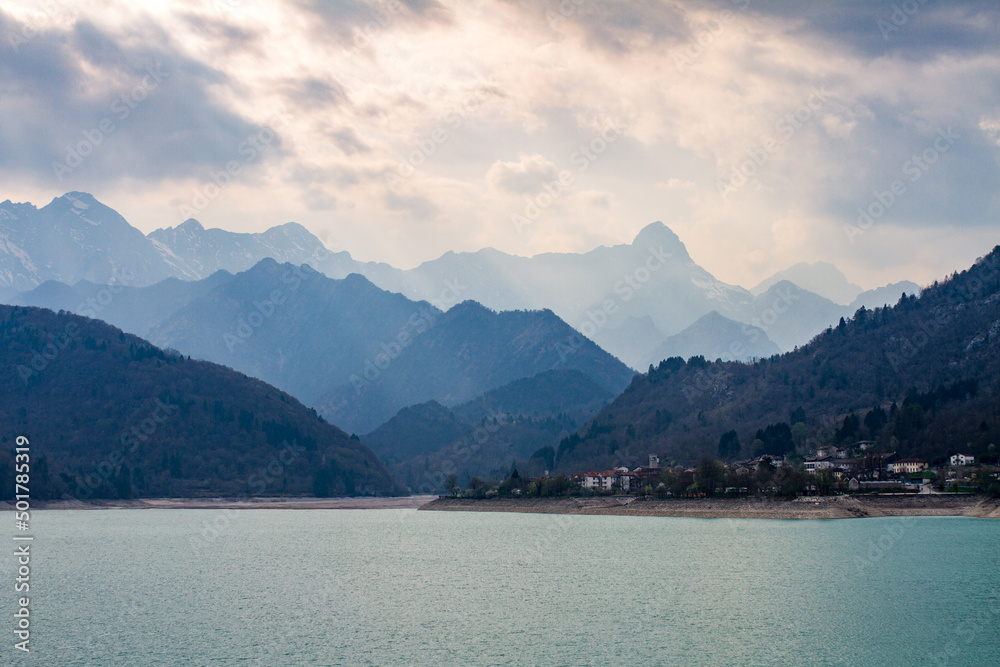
(355, 352)
(628, 298)
(821, 278)
(920, 378)
(716, 337)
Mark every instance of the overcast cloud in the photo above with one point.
(398, 130)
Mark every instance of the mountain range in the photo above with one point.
(631, 299)
(353, 351)
(921, 378)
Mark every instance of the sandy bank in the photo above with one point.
(405, 502)
(835, 507)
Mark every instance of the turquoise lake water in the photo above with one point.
(402, 587)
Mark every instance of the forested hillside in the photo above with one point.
(423, 444)
(921, 378)
(109, 415)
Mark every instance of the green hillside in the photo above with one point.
(921, 378)
(110, 416)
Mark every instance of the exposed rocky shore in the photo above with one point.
(831, 507)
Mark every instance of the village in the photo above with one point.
(830, 470)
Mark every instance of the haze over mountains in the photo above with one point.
(351, 350)
(921, 378)
(821, 278)
(446, 384)
(632, 299)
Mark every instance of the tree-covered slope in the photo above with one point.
(465, 352)
(922, 378)
(110, 415)
(522, 420)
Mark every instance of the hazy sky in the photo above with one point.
(399, 130)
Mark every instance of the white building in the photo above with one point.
(605, 480)
(963, 460)
(819, 463)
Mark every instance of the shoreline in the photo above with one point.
(348, 503)
(807, 507)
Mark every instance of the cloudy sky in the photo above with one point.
(401, 129)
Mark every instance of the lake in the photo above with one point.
(402, 587)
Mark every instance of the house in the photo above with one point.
(606, 480)
(819, 463)
(907, 466)
(963, 460)
(776, 461)
(589, 480)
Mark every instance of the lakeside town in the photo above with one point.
(830, 470)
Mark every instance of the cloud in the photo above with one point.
(488, 101)
(355, 22)
(619, 28)
(916, 30)
(420, 208)
(312, 91)
(676, 184)
(347, 140)
(135, 107)
(527, 176)
(991, 126)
